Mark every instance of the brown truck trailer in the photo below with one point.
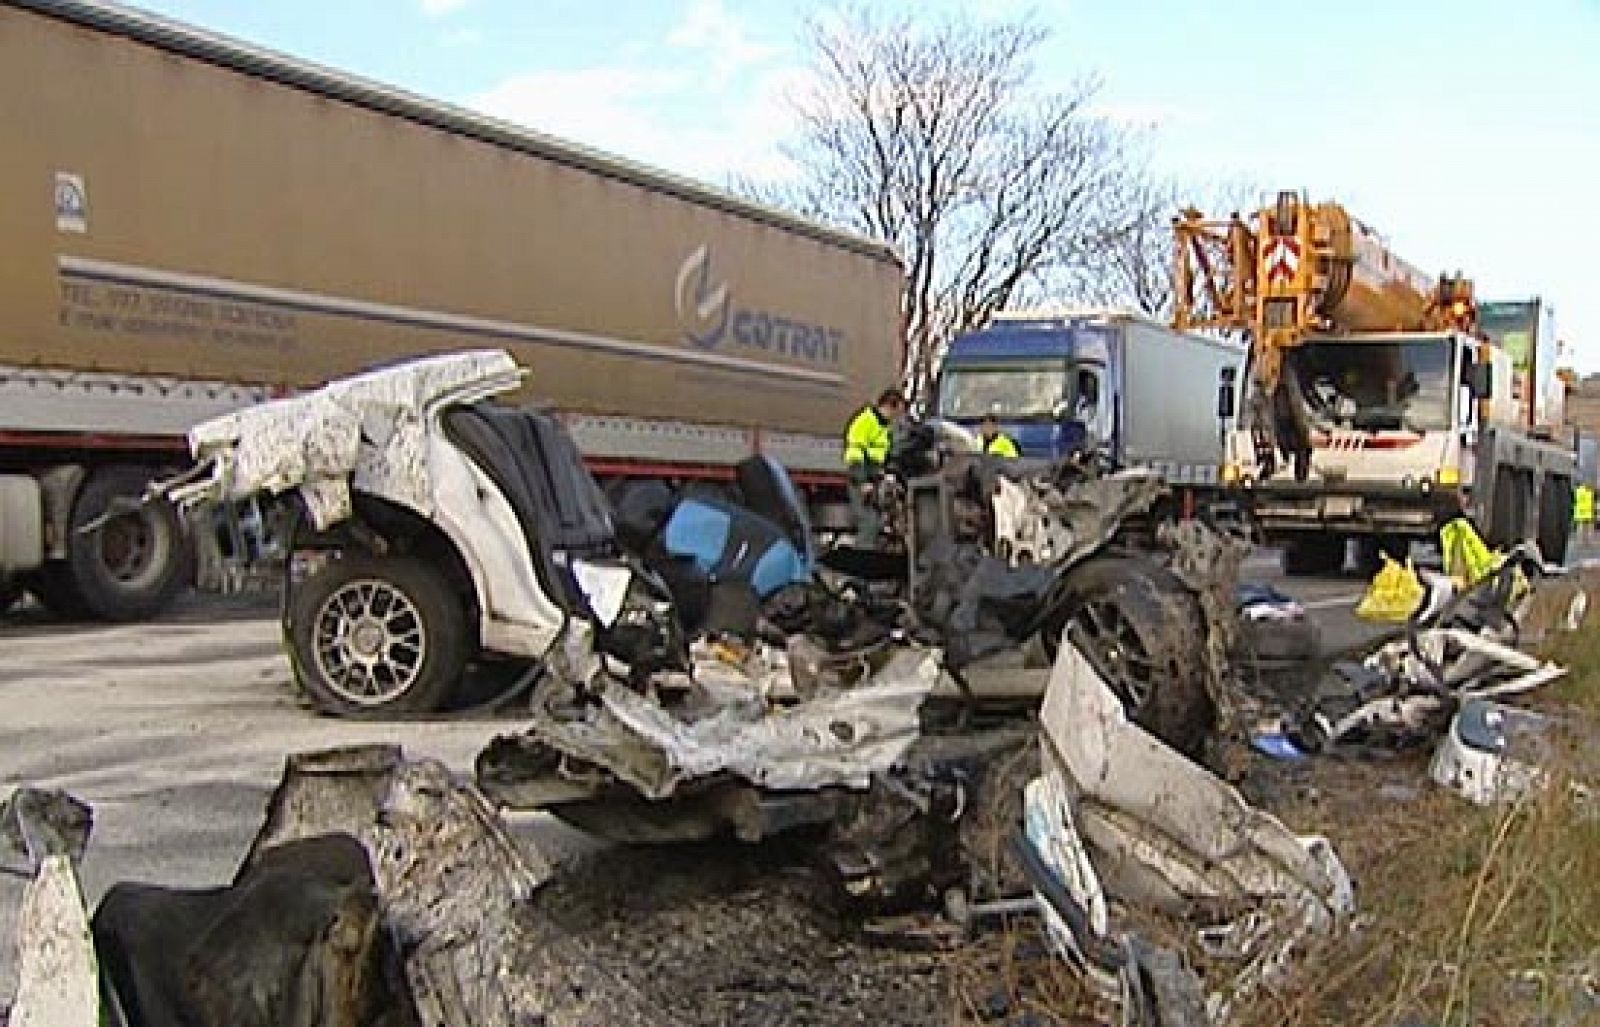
(193, 224)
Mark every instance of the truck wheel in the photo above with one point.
(11, 592)
(1508, 518)
(1144, 633)
(127, 569)
(1501, 502)
(373, 636)
(1555, 519)
(1303, 557)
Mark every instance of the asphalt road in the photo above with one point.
(175, 733)
(1330, 600)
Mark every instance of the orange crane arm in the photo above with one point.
(1297, 269)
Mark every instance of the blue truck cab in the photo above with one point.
(1048, 381)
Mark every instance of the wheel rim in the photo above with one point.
(131, 549)
(1099, 628)
(369, 642)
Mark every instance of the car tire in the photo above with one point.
(376, 636)
(1145, 634)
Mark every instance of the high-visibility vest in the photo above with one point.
(867, 438)
(1583, 504)
(1001, 445)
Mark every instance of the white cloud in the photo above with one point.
(654, 116)
(462, 37)
(711, 105)
(597, 104)
(723, 39)
(440, 8)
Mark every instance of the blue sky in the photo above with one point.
(1467, 132)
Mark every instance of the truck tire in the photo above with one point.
(1502, 502)
(375, 636)
(56, 591)
(1143, 631)
(1508, 517)
(11, 593)
(1555, 519)
(129, 568)
(1316, 555)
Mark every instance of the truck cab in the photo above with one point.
(1047, 381)
(1394, 409)
(1402, 427)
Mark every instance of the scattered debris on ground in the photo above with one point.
(42, 836)
(1144, 890)
(1169, 897)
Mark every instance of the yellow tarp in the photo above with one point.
(1394, 594)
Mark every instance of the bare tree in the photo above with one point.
(930, 137)
(1133, 265)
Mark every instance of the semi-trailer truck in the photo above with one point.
(193, 224)
(1377, 406)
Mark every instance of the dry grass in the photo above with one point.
(1468, 915)
(1010, 977)
(1462, 909)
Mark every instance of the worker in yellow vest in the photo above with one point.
(1583, 510)
(995, 441)
(867, 439)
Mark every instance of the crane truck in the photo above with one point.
(1375, 405)
(193, 224)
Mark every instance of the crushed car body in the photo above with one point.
(1116, 813)
(692, 667)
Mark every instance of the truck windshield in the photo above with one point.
(1016, 393)
(1376, 386)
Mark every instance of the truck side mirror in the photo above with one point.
(1480, 379)
(1226, 395)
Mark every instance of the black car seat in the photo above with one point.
(560, 507)
(768, 490)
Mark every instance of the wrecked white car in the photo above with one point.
(428, 529)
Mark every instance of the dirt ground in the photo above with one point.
(712, 934)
